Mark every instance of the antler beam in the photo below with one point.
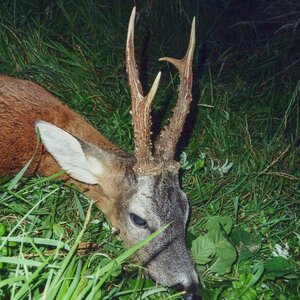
(165, 145)
(140, 105)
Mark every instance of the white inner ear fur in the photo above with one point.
(68, 153)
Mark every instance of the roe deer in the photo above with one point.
(138, 193)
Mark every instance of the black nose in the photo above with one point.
(191, 296)
(192, 292)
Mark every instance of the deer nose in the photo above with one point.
(191, 291)
(191, 296)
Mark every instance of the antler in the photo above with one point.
(165, 145)
(140, 106)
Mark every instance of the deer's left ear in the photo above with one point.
(81, 160)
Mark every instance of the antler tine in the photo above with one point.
(140, 105)
(166, 143)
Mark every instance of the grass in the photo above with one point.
(246, 112)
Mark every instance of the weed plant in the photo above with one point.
(239, 153)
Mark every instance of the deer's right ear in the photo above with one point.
(81, 160)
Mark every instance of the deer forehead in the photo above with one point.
(160, 197)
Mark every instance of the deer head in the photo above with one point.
(140, 193)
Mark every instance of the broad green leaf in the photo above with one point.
(215, 245)
(225, 257)
(247, 244)
(278, 267)
(214, 223)
(203, 250)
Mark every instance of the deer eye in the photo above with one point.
(138, 221)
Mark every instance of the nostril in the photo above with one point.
(192, 292)
(191, 296)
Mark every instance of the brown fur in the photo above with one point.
(21, 104)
